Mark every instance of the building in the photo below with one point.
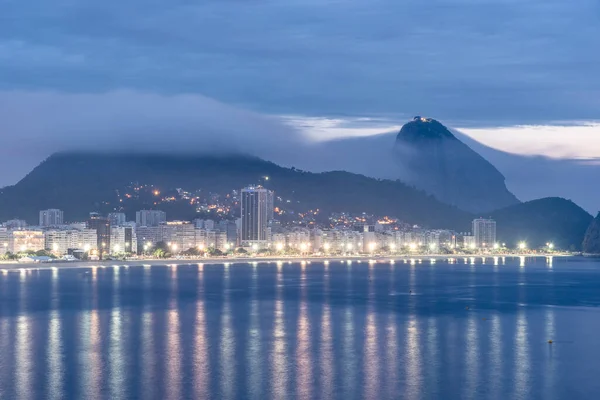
(148, 236)
(102, 227)
(15, 224)
(270, 205)
(4, 240)
(230, 228)
(117, 219)
(204, 223)
(150, 217)
(27, 240)
(254, 214)
(62, 242)
(484, 231)
(123, 239)
(179, 235)
(51, 217)
(469, 242)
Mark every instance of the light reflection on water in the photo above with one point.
(368, 330)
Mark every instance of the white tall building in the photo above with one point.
(255, 216)
(123, 239)
(51, 217)
(150, 217)
(484, 231)
(4, 240)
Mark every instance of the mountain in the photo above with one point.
(79, 183)
(432, 159)
(537, 222)
(82, 182)
(591, 241)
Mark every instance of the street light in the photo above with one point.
(522, 246)
(372, 246)
(279, 246)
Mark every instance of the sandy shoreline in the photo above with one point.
(7, 266)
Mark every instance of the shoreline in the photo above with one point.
(417, 259)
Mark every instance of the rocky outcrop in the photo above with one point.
(431, 158)
(591, 241)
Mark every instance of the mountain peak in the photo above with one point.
(422, 128)
(434, 160)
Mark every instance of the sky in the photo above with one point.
(520, 76)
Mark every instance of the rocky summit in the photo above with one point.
(431, 158)
(591, 241)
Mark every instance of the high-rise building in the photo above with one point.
(123, 239)
(484, 231)
(254, 216)
(51, 217)
(102, 227)
(270, 205)
(117, 219)
(5, 238)
(150, 217)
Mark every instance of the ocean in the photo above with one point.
(474, 330)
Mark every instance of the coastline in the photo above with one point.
(415, 259)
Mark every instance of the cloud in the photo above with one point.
(493, 62)
(35, 125)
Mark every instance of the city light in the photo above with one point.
(372, 246)
(522, 246)
(496, 246)
(550, 245)
(432, 246)
(326, 246)
(279, 246)
(412, 246)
